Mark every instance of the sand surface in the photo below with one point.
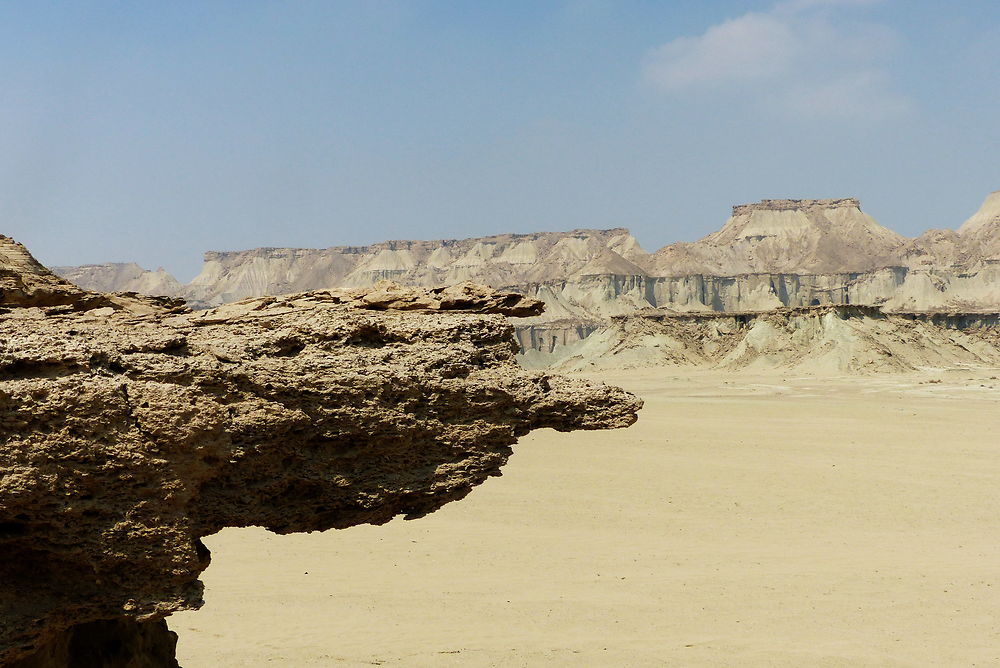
(744, 520)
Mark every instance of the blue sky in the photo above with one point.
(153, 131)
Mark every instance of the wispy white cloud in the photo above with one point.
(749, 48)
(801, 58)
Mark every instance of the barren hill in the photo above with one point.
(774, 253)
(975, 243)
(811, 236)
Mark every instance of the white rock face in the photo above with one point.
(504, 260)
(769, 254)
(826, 339)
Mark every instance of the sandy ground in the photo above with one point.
(743, 521)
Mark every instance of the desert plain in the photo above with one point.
(754, 519)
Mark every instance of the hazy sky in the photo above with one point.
(153, 131)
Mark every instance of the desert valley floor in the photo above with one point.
(753, 520)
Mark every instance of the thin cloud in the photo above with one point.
(751, 47)
(801, 58)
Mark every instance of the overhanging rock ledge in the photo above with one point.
(131, 430)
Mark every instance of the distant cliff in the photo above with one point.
(818, 236)
(510, 259)
(121, 277)
(777, 252)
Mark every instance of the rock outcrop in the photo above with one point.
(126, 435)
(25, 282)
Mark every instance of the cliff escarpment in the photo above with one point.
(826, 339)
(774, 253)
(510, 259)
(129, 433)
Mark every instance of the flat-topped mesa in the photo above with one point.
(125, 438)
(497, 261)
(796, 205)
(412, 244)
(786, 236)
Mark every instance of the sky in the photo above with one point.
(153, 131)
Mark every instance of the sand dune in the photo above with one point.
(752, 520)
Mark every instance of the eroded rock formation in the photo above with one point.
(827, 339)
(127, 434)
(769, 254)
(777, 253)
(508, 259)
(810, 236)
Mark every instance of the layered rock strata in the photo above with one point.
(126, 436)
(769, 254)
(777, 253)
(830, 338)
(817, 236)
(509, 259)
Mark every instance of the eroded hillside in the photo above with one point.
(767, 255)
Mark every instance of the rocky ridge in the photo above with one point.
(130, 430)
(767, 255)
(510, 259)
(778, 253)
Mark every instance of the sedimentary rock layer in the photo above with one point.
(499, 260)
(125, 437)
(839, 339)
(786, 236)
(769, 254)
(893, 288)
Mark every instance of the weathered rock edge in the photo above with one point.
(127, 434)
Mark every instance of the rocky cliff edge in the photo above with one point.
(126, 435)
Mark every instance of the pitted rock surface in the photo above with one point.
(125, 437)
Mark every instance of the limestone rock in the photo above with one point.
(25, 282)
(126, 436)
